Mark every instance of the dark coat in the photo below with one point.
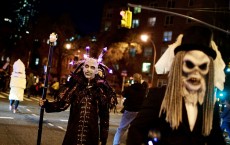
(148, 119)
(88, 103)
(134, 95)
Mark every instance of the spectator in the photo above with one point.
(146, 86)
(134, 96)
(225, 116)
(54, 88)
(30, 85)
(6, 70)
(37, 86)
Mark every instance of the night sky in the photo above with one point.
(86, 14)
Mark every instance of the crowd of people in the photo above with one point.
(5, 71)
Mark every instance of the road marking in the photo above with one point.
(27, 99)
(3, 97)
(63, 120)
(35, 99)
(34, 115)
(6, 118)
(5, 93)
(50, 124)
(28, 110)
(61, 128)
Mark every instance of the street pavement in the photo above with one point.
(22, 128)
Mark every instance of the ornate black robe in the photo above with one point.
(89, 103)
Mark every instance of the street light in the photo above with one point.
(68, 46)
(145, 38)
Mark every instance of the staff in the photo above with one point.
(52, 40)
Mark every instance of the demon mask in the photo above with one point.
(195, 69)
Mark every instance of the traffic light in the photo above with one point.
(129, 19)
(126, 20)
(123, 18)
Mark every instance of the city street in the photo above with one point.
(22, 128)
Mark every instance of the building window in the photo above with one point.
(189, 20)
(36, 61)
(190, 3)
(137, 10)
(135, 23)
(163, 49)
(109, 13)
(148, 51)
(153, 3)
(132, 52)
(169, 20)
(170, 4)
(152, 21)
(107, 26)
(146, 67)
(161, 82)
(167, 36)
(93, 39)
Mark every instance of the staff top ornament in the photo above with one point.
(53, 39)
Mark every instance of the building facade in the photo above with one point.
(164, 27)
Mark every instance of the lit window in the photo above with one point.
(135, 23)
(132, 52)
(93, 39)
(152, 21)
(146, 67)
(36, 61)
(167, 36)
(137, 10)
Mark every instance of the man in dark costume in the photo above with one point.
(184, 112)
(90, 98)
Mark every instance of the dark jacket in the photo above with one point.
(148, 119)
(134, 96)
(88, 103)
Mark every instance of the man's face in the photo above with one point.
(90, 68)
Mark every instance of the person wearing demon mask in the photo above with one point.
(184, 112)
(89, 96)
